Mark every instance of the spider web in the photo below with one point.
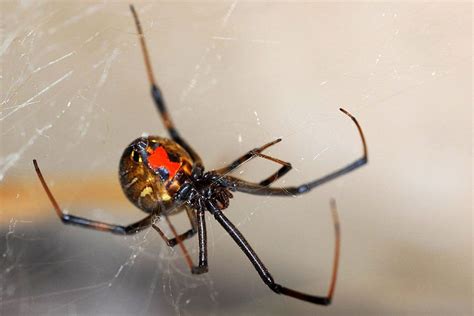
(235, 75)
(65, 71)
(55, 71)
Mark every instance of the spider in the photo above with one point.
(164, 176)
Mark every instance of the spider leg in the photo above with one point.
(202, 241)
(158, 96)
(259, 189)
(286, 166)
(257, 152)
(92, 224)
(198, 224)
(187, 257)
(263, 271)
(171, 242)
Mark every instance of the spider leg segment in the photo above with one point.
(187, 257)
(286, 166)
(263, 271)
(91, 224)
(257, 152)
(158, 96)
(171, 242)
(202, 242)
(259, 189)
(198, 225)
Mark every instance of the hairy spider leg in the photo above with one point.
(257, 152)
(91, 224)
(263, 271)
(158, 96)
(259, 189)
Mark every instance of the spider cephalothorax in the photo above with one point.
(204, 191)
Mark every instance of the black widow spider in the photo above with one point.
(162, 177)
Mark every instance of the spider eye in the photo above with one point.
(136, 157)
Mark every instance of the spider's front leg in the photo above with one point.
(257, 152)
(202, 240)
(263, 272)
(198, 225)
(259, 189)
(202, 266)
(171, 242)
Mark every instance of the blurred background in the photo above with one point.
(236, 75)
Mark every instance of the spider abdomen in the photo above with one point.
(152, 169)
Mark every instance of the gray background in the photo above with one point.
(237, 75)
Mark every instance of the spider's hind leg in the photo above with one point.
(158, 96)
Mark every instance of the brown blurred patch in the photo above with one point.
(19, 197)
